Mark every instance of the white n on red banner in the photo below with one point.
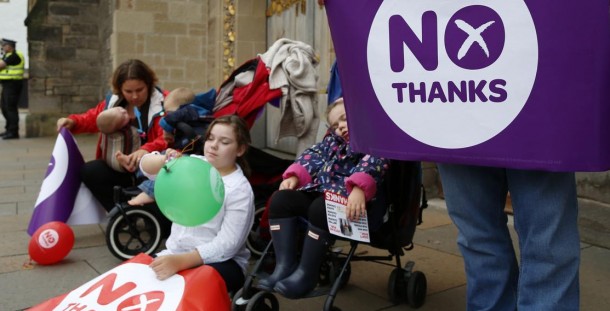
(134, 286)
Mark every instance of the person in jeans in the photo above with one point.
(545, 211)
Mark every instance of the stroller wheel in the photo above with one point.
(263, 301)
(416, 289)
(237, 302)
(255, 242)
(135, 231)
(397, 286)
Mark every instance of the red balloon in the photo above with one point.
(51, 243)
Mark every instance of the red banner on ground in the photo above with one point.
(134, 286)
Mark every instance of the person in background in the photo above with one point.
(220, 242)
(133, 88)
(12, 67)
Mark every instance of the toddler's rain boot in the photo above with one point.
(283, 232)
(305, 277)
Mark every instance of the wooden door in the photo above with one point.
(305, 21)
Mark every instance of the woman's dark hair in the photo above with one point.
(242, 135)
(133, 69)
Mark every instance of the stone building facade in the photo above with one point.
(76, 44)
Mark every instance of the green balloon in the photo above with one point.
(189, 191)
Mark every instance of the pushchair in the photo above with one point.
(401, 194)
(141, 229)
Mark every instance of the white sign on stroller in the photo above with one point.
(339, 224)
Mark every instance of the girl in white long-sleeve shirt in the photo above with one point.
(220, 242)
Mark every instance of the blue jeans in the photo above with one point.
(148, 186)
(545, 211)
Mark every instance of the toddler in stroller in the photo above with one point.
(332, 165)
(399, 195)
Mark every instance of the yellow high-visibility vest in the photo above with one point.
(13, 72)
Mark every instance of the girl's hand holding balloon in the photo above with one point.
(171, 154)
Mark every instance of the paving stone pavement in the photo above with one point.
(24, 164)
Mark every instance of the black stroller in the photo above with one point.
(403, 196)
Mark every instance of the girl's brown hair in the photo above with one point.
(337, 102)
(133, 69)
(242, 135)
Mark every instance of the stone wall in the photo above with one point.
(594, 186)
(65, 61)
(170, 35)
(251, 29)
(75, 45)
(106, 10)
(431, 180)
(193, 44)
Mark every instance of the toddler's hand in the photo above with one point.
(356, 204)
(289, 183)
(171, 154)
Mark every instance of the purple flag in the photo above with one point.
(512, 83)
(60, 185)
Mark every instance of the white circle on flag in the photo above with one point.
(466, 42)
